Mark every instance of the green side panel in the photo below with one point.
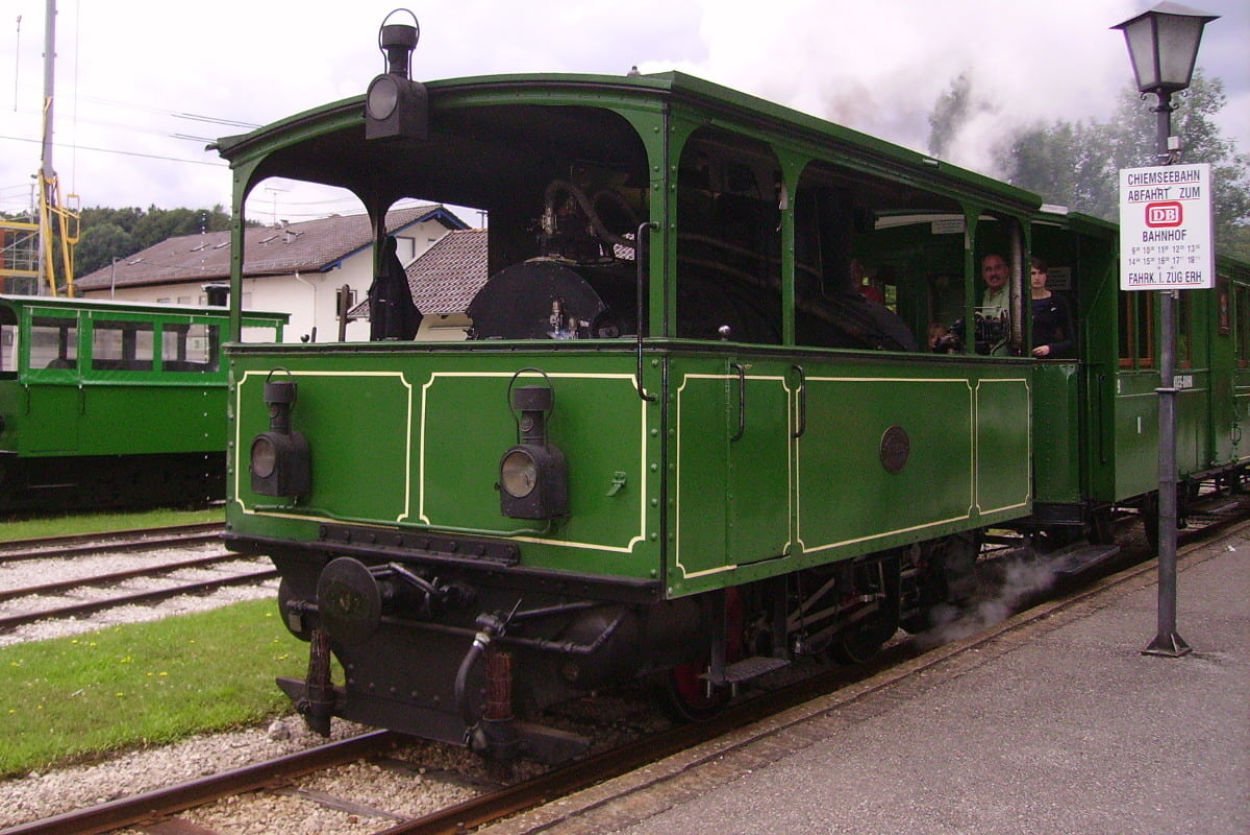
(700, 439)
(1056, 433)
(733, 453)
(143, 419)
(1193, 435)
(1004, 447)
(414, 440)
(847, 497)
(1136, 433)
(338, 412)
(50, 421)
(758, 487)
(889, 452)
(597, 423)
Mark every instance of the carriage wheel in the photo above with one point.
(685, 695)
(862, 642)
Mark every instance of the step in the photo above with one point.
(1077, 558)
(749, 668)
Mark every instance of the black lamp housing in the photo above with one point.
(396, 107)
(533, 474)
(1163, 45)
(279, 461)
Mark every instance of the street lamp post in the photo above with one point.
(1163, 46)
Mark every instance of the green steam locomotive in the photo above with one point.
(697, 430)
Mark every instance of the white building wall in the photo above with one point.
(308, 297)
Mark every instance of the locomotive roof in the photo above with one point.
(338, 127)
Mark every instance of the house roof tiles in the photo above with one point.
(310, 246)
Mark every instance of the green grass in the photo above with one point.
(36, 527)
(69, 699)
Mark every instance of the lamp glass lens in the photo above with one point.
(518, 474)
(264, 457)
(383, 96)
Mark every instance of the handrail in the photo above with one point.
(742, 401)
(640, 254)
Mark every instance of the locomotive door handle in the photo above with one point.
(798, 433)
(742, 401)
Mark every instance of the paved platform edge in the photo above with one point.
(1044, 617)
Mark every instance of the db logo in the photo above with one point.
(1164, 214)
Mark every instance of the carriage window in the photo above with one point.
(1241, 314)
(1184, 331)
(189, 347)
(53, 342)
(8, 342)
(728, 241)
(1136, 330)
(125, 346)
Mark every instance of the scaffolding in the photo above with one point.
(19, 255)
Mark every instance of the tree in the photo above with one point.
(1077, 165)
(99, 244)
(105, 234)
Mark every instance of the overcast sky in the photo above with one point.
(141, 85)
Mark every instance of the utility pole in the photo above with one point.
(47, 175)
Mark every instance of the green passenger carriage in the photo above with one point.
(114, 404)
(680, 442)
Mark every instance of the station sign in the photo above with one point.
(1165, 228)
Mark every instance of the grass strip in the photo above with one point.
(73, 698)
(36, 527)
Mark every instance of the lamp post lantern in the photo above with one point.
(1163, 46)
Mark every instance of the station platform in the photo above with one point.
(1049, 722)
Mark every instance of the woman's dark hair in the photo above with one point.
(1038, 264)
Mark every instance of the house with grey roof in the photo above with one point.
(443, 281)
(297, 268)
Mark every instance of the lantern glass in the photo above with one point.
(1163, 45)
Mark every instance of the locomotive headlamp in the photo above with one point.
(280, 462)
(533, 475)
(395, 105)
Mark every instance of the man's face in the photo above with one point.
(994, 271)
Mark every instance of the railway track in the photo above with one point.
(153, 806)
(92, 550)
(90, 607)
(88, 544)
(896, 662)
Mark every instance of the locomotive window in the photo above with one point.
(728, 242)
(53, 342)
(127, 346)
(189, 347)
(876, 262)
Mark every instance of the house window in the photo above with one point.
(406, 249)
